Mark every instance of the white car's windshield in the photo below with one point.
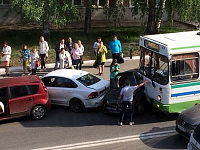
(88, 79)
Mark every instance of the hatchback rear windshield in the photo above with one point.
(197, 134)
(88, 79)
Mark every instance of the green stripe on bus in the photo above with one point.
(174, 108)
(185, 47)
(185, 85)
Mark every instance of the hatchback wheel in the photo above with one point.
(76, 105)
(38, 112)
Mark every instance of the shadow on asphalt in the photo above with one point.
(61, 116)
(176, 141)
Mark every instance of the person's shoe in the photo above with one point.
(23, 74)
(29, 73)
(120, 123)
(131, 123)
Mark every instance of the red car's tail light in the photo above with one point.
(45, 89)
(93, 95)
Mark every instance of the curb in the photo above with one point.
(20, 68)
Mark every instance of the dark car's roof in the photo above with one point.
(21, 80)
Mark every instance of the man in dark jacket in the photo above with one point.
(58, 47)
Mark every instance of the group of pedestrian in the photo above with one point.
(100, 51)
(69, 55)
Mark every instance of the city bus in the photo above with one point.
(170, 63)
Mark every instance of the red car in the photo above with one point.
(23, 96)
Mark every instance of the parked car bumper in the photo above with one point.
(95, 102)
(183, 128)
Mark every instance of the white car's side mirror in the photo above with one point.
(1, 108)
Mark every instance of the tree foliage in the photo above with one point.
(88, 16)
(54, 12)
(187, 10)
(114, 10)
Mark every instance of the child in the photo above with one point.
(34, 59)
(26, 58)
(114, 70)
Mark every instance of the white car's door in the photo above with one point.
(62, 90)
(59, 89)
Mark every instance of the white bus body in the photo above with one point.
(170, 62)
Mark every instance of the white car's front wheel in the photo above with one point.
(76, 105)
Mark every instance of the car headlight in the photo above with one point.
(159, 98)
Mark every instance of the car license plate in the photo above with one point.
(181, 128)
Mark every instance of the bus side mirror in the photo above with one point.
(153, 84)
(1, 108)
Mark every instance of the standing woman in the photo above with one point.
(81, 57)
(101, 57)
(44, 48)
(96, 44)
(34, 59)
(76, 52)
(6, 55)
(115, 47)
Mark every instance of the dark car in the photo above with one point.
(23, 96)
(188, 120)
(110, 99)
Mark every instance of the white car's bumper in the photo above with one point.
(95, 102)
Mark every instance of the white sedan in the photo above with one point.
(75, 88)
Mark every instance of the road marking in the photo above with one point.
(110, 141)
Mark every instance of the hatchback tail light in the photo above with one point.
(93, 95)
(45, 89)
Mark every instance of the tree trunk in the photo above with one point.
(88, 15)
(151, 24)
(160, 11)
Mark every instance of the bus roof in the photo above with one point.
(177, 41)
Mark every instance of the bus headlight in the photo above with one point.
(159, 98)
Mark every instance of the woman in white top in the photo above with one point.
(81, 57)
(34, 59)
(44, 48)
(96, 44)
(6, 55)
(65, 59)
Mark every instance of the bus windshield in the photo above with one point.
(154, 66)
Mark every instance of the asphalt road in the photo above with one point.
(92, 129)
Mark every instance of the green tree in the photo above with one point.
(88, 16)
(46, 12)
(114, 10)
(187, 10)
(154, 10)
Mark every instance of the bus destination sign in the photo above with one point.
(151, 45)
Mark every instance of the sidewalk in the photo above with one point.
(51, 65)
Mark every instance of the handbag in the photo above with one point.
(95, 64)
(121, 59)
(5, 58)
(37, 63)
